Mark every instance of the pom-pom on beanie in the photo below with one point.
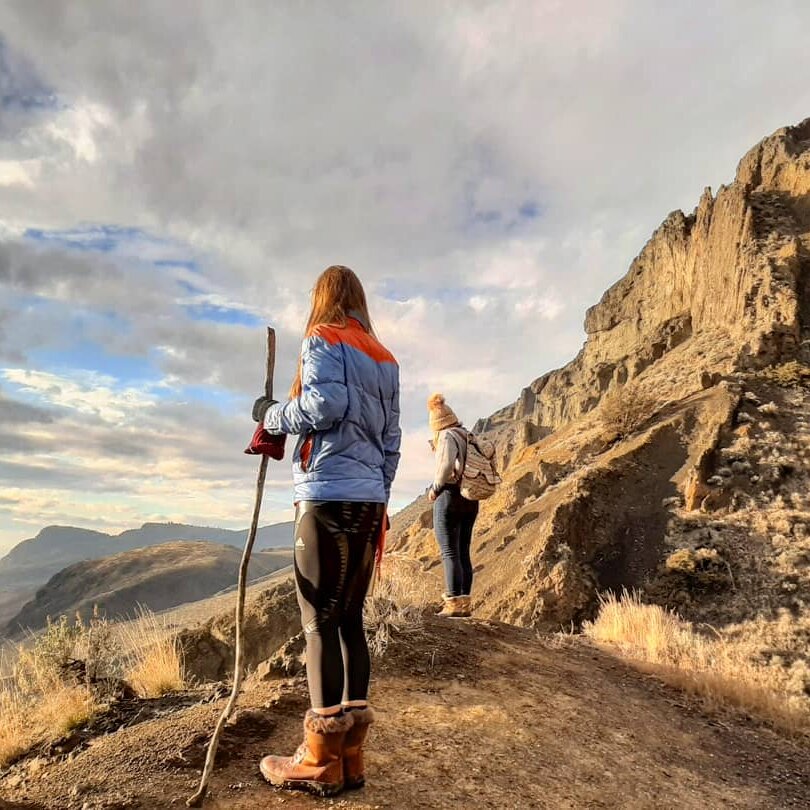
(440, 414)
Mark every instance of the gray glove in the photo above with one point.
(260, 408)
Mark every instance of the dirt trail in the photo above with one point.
(471, 714)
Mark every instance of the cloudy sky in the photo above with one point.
(173, 176)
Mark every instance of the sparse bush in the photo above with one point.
(155, 663)
(660, 642)
(623, 410)
(67, 674)
(788, 375)
(49, 692)
(98, 647)
(400, 596)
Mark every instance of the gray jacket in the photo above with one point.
(451, 453)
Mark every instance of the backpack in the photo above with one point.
(479, 478)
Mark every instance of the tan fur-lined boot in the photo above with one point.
(453, 607)
(317, 765)
(466, 606)
(353, 768)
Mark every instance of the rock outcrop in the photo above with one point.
(728, 281)
(712, 318)
(272, 619)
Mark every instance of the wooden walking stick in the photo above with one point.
(197, 799)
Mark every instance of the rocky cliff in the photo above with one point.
(671, 454)
(729, 280)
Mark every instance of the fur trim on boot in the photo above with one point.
(328, 724)
(364, 716)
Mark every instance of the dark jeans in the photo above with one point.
(334, 561)
(453, 521)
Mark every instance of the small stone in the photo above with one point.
(740, 467)
(716, 481)
(744, 418)
(725, 472)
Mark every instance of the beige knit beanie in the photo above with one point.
(440, 414)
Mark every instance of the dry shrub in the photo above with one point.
(50, 691)
(15, 731)
(155, 663)
(66, 675)
(624, 410)
(661, 643)
(787, 375)
(400, 596)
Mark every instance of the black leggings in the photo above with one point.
(334, 561)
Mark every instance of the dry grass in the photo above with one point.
(401, 594)
(65, 676)
(623, 411)
(155, 661)
(660, 642)
(38, 704)
(788, 375)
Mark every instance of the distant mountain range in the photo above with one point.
(157, 576)
(33, 562)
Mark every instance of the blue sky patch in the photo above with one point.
(219, 314)
(126, 369)
(189, 264)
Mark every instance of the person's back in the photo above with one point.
(351, 456)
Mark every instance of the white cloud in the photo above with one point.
(86, 392)
(496, 164)
(19, 172)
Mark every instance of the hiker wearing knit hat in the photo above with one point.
(453, 515)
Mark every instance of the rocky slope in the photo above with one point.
(156, 577)
(30, 563)
(703, 501)
(583, 730)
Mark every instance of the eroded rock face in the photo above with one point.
(712, 296)
(271, 620)
(730, 279)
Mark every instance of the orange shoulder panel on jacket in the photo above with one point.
(355, 336)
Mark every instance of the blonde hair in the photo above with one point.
(336, 294)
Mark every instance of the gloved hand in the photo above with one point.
(260, 407)
(266, 444)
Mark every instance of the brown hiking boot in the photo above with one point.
(466, 606)
(453, 607)
(317, 765)
(353, 769)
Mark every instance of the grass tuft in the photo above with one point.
(155, 664)
(63, 677)
(397, 602)
(658, 641)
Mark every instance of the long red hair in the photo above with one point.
(336, 295)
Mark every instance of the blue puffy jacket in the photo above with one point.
(347, 417)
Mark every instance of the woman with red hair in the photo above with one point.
(344, 407)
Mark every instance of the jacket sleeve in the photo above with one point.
(324, 397)
(448, 453)
(392, 438)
